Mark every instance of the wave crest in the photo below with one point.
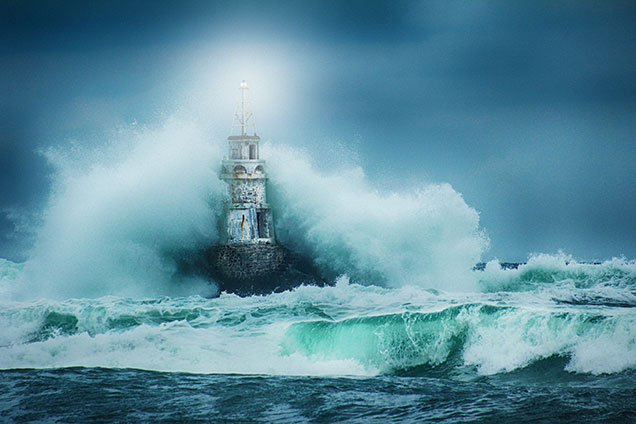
(492, 339)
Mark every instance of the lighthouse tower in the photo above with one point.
(248, 260)
(249, 217)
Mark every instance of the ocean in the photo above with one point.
(541, 343)
(100, 324)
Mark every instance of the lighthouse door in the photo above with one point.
(259, 220)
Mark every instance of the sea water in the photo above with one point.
(99, 324)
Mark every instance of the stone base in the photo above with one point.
(241, 262)
(249, 269)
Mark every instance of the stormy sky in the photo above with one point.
(527, 108)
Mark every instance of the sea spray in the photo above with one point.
(424, 235)
(116, 223)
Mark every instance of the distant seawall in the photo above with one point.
(504, 265)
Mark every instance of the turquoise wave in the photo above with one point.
(472, 337)
(545, 271)
(576, 325)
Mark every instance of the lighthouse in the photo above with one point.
(248, 260)
(249, 216)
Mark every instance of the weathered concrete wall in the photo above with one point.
(242, 225)
(248, 190)
(249, 224)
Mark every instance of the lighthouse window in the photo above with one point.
(236, 153)
(239, 169)
(252, 151)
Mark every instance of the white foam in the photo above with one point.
(519, 337)
(178, 347)
(230, 334)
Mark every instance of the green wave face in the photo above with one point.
(480, 337)
(389, 342)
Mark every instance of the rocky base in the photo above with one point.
(258, 269)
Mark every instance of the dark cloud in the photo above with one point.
(528, 109)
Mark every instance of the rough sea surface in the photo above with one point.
(550, 341)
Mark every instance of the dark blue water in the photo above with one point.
(122, 395)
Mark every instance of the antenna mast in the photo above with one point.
(243, 114)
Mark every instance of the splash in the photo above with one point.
(425, 236)
(121, 217)
(116, 224)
